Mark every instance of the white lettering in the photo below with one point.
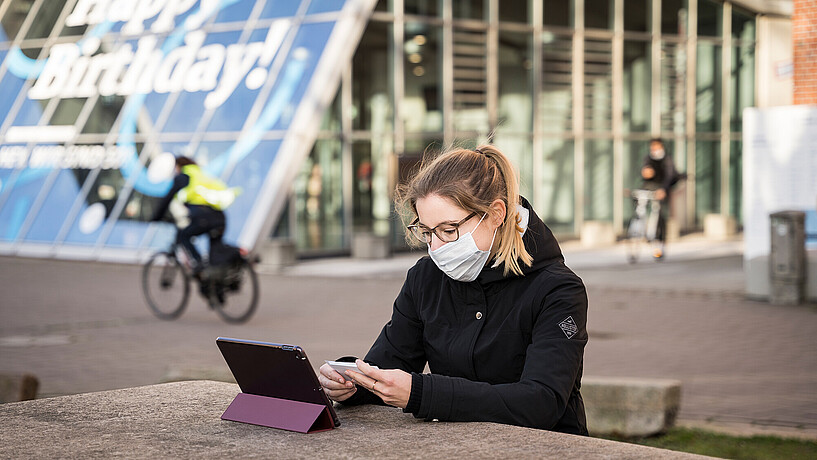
(110, 81)
(146, 53)
(98, 65)
(167, 18)
(136, 12)
(81, 70)
(121, 10)
(85, 10)
(76, 72)
(239, 61)
(203, 75)
(53, 76)
(60, 156)
(44, 156)
(13, 156)
(170, 76)
(145, 10)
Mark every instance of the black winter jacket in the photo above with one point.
(505, 349)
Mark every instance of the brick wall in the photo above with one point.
(804, 36)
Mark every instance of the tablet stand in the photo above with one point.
(279, 413)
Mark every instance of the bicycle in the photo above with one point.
(643, 227)
(232, 290)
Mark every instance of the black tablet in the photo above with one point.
(274, 370)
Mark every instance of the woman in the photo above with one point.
(494, 311)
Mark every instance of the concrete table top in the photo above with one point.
(182, 420)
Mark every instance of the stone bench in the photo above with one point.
(630, 407)
(182, 420)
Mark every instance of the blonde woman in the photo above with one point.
(494, 312)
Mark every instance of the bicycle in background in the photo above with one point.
(643, 229)
(231, 290)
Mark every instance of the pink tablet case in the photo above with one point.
(279, 413)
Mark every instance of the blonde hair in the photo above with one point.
(473, 179)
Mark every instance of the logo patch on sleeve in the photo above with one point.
(569, 327)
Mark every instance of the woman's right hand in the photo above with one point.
(334, 385)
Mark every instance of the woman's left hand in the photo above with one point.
(393, 386)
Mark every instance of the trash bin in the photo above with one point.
(787, 260)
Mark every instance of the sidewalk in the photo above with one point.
(83, 326)
(685, 317)
(580, 259)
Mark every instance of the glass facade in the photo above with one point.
(571, 90)
(98, 96)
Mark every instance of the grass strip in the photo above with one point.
(759, 447)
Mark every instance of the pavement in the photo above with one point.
(746, 367)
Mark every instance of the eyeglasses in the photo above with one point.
(446, 232)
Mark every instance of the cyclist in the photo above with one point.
(204, 198)
(659, 174)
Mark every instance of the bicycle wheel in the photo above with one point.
(636, 238)
(166, 285)
(235, 297)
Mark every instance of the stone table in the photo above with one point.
(182, 420)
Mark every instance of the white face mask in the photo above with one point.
(657, 154)
(461, 260)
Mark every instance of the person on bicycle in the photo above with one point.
(659, 174)
(204, 197)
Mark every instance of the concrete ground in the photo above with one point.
(745, 366)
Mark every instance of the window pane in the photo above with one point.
(707, 178)
(513, 11)
(319, 198)
(67, 111)
(24, 187)
(556, 95)
(470, 88)
(637, 15)
(558, 13)
(515, 61)
(97, 206)
(331, 118)
(742, 85)
(15, 15)
(743, 25)
(56, 206)
(470, 9)
(423, 88)
(710, 18)
(423, 7)
(708, 88)
(673, 88)
(598, 14)
(371, 79)
(104, 114)
(598, 179)
(637, 83)
(557, 205)
(279, 9)
(598, 85)
(46, 18)
(519, 149)
(736, 180)
(674, 17)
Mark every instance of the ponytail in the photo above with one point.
(511, 248)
